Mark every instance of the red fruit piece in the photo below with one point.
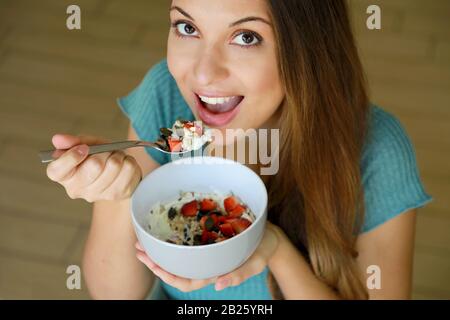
(208, 205)
(230, 203)
(205, 236)
(174, 144)
(208, 237)
(227, 229)
(212, 235)
(221, 219)
(236, 212)
(190, 209)
(215, 218)
(230, 220)
(239, 225)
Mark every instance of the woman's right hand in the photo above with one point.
(104, 176)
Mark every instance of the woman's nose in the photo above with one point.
(210, 68)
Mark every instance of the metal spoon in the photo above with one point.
(50, 155)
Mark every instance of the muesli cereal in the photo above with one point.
(199, 218)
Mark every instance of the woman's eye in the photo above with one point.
(246, 39)
(186, 29)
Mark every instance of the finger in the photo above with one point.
(67, 141)
(162, 274)
(143, 257)
(64, 167)
(250, 268)
(88, 171)
(139, 246)
(198, 284)
(171, 279)
(180, 283)
(127, 180)
(183, 284)
(110, 172)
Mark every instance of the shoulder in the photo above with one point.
(386, 135)
(390, 175)
(388, 145)
(159, 73)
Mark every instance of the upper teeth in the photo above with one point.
(216, 100)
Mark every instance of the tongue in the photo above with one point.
(224, 107)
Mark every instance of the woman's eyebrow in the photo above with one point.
(247, 19)
(184, 13)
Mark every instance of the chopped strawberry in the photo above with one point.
(209, 237)
(215, 218)
(236, 212)
(227, 229)
(205, 236)
(208, 205)
(230, 203)
(202, 222)
(188, 125)
(190, 209)
(221, 219)
(212, 235)
(175, 145)
(239, 225)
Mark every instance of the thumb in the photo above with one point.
(67, 141)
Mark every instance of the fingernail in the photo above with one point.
(82, 149)
(138, 246)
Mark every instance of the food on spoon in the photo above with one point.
(184, 136)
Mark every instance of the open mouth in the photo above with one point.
(218, 111)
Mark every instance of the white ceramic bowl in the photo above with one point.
(200, 174)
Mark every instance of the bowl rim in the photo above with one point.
(200, 247)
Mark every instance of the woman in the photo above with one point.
(344, 198)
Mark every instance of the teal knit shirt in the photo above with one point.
(389, 171)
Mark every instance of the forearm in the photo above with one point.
(294, 275)
(110, 266)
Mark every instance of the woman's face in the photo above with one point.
(222, 55)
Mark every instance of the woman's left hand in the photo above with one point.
(253, 266)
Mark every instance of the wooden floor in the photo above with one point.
(55, 80)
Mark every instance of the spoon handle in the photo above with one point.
(50, 155)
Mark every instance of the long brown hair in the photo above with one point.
(317, 197)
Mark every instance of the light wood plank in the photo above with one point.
(43, 19)
(36, 200)
(155, 12)
(432, 271)
(443, 53)
(88, 50)
(405, 48)
(393, 71)
(66, 77)
(27, 279)
(74, 253)
(433, 232)
(54, 104)
(35, 237)
(35, 127)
